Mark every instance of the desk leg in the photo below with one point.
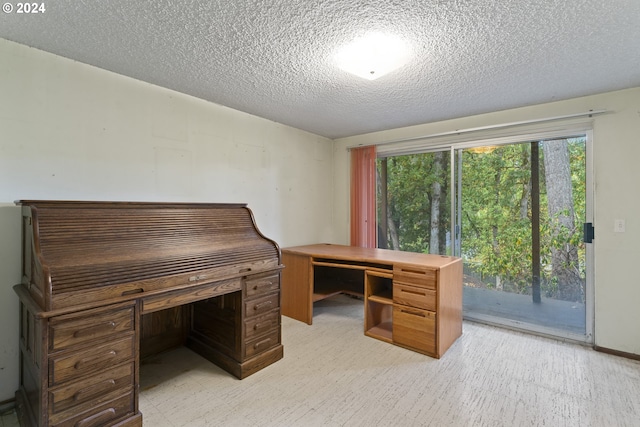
(297, 287)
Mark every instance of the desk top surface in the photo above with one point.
(374, 255)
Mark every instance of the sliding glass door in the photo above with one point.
(516, 218)
(522, 208)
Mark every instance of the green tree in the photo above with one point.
(418, 202)
(496, 200)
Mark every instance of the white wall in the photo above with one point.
(617, 176)
(75, 132)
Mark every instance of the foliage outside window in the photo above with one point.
(496, 213)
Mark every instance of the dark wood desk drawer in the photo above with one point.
(414, 296)
(261, 344)
(416, 275)
(262, 305)
(189, 295)
(69, 330)
(262, 324)
(91, 360)
(101, 415)
(259, 285)
(79, 396)
(415, 328)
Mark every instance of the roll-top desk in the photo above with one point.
(107, 283)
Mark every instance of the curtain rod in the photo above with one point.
(469, 130)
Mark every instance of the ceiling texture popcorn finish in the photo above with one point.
(275, 59)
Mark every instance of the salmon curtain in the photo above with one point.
(363, 197)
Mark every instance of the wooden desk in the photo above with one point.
(107, 283)
(410, 299)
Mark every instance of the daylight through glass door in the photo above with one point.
(518, 211)
(522, 207)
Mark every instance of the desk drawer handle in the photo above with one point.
(424, 294)
(262, 343)
(107, 326)
(132, 291)
(265, 325)
(262, 305)
(412, 271)
(97, 419)
(413, 313)
(256, 286)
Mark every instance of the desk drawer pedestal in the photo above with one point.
(240, 332)
(79, 369)
(417, 307)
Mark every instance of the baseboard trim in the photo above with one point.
(7, 405)
(619, 353)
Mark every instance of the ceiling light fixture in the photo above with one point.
(373, 55)
(486, 149)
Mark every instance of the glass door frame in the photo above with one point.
(515, 133)
(456, 189)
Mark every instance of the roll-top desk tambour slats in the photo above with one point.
(98, 279)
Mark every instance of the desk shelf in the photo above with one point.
(382, 331)
(386, 298)
(378, 307)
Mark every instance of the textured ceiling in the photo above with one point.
(274, 59)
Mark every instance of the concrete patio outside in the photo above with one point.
(564, 316)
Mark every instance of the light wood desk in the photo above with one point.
(410, 299)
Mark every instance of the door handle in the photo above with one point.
(588, 232)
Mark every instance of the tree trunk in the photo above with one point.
(564, 256)
(436, 194)
(391, 225)
(393, 230)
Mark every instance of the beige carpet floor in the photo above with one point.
(333, 375)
